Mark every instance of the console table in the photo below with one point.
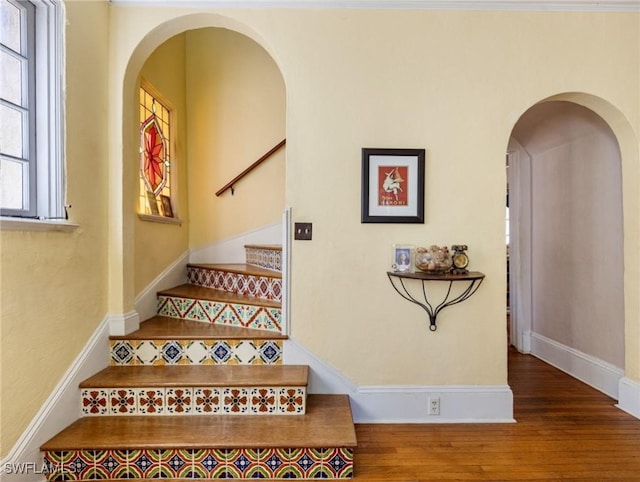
(470, 282)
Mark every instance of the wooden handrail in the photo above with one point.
(266, 156)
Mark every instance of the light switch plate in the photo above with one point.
(302, 231)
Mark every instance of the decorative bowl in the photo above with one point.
(434, 259)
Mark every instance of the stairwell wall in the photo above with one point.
(54, 285)
(236, 108)
(158, 245)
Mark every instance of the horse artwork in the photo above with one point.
(393, 190)
(392, 185)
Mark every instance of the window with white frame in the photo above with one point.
(31, 117)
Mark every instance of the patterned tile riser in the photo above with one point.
(195, 352)
(194, 401)
(265, 258)
(262, 287)
(246, 316)
(271, 463)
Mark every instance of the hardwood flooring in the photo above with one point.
(565, 430)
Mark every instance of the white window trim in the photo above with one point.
(152, 218)
(27, 224)
(49, 122)
(49, 85)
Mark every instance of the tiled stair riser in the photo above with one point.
(246, 316)
(263, 287)
(202, 463)
(195, 352)
(194, 401)
(265, 258)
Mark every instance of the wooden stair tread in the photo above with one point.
(327, 423)
(166, 328)
(210, 294)
(239, 268)
(270, 247)
(199, 376)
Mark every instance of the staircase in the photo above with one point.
(200, 391)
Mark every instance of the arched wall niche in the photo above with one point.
(628, 145)
(123, 144)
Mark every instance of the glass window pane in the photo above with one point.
(10, 26)
(11, 78)
(12, 175)
(11, 131)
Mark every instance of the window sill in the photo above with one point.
(21, 224)
(160, 219)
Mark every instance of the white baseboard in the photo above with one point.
(594, 372)
(525, 342)
(231, 250)
(629, 396)
(60, 409)
(405, 404)
(410, 404)
(123, 323)
(146, 302)
(323, 378)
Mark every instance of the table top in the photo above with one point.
(421, 275)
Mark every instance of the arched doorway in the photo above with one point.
(566, 245)
(234, 93)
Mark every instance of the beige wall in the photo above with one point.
(236, 113)
(157, 245)
(54, 285)
(354, 79)
(410, 79)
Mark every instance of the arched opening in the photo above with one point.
(566, 252)
(230, 98)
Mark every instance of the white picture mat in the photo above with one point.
(376, 161)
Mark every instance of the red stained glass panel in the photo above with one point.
(154, 153)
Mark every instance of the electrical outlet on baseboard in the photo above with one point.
(434, 405)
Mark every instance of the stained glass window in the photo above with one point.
(155, 153)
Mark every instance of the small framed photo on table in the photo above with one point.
(402, 258)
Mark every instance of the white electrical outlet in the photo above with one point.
(434, 405)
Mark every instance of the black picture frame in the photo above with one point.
(393, 185)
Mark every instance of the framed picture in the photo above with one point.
(167, 211)
(392, 185)
(153, 203)
(402, 258)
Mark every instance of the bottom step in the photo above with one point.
(319, 444)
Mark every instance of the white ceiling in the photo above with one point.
(521, 5)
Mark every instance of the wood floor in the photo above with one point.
(565, 430)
